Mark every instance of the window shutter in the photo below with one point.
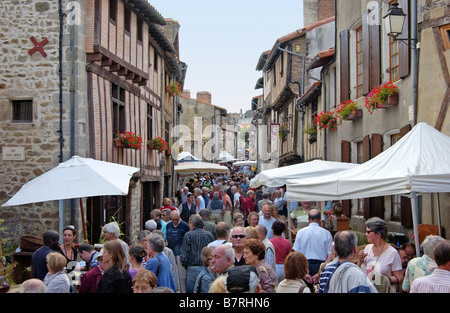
(404, 130)
(375, 56)
(402, 48)
(377, 144)
(344, 65)
(366, 145)
(366, 54)
(406, 212)
(345, 157)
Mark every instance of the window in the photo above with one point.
(22, 110)
(360, 152)
(155, 60)
(394, 57)
(113, 10)
(445, 31)
(139, 30)
(167, 132)
(359, 63)
(118, 103)
(149, 121)
(127, 19)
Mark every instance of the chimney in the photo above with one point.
(204, 97)
(317, 10)
(186, 93)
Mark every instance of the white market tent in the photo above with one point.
(225, 156)
(277, 177)
(200, 167)
(186, 156)
(244, 163)
(418, 163)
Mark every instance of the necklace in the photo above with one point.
(67, 255)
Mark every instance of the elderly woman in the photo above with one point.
(379, 257)
(159, 263)
(254, 254)
(206, 276)
(56, 280)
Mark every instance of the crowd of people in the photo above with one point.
(220, 235)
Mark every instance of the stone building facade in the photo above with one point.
(114, 60)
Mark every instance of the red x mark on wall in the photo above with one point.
(38, 46)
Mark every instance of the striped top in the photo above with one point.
(389, 261)
(437, 282)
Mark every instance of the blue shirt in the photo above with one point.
(165, 278)
(175, 235)
(268, 224)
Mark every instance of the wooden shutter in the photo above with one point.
(377, 145)
(366, 145)
(403, 48)
(345, 157)
(375, 56)
(371, 54)
(366, 54)
(404, 130)
(344, 65)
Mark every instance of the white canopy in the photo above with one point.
(419, 162)
(225, 156)
(186, 156)
(245, 163)
(278, 176)
(76, 178)
(200, 167)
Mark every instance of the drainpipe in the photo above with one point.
(60, 131)
(414, 56)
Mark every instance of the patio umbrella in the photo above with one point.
(76, 178)
(200, 167)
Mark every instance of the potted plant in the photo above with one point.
(348, 110)
(382, 96)
(312, 132)
(128, 140)
(174, 88)
(158, 144)
(326, 119)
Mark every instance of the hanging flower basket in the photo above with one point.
(157, 144)
(348, 110)
(174, 88)
(312, 132)
(128, 140)
(382, 96)
(326, 120)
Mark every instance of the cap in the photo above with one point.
(239, 278)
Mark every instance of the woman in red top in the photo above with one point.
(282, 247)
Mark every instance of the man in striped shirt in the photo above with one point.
(193, 243)
(342, 275)
(424, 265)
(439, 280)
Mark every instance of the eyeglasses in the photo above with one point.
(369, 231)
(238, 236)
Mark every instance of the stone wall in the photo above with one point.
(34, 77)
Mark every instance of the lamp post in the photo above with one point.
(394, 20)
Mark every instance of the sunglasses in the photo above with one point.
(238, 236)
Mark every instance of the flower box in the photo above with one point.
(326, 120)
(157, 144)
(128, 140)
(354, 116)
(312, 138)
(381, 97)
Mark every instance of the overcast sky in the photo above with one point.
(221, 42)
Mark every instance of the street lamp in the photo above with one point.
(394, 20)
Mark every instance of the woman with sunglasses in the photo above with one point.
(379, 259)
